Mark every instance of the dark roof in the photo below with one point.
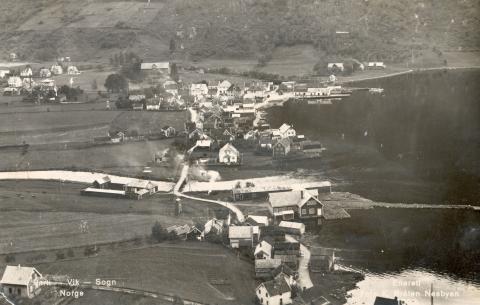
(282, 269)
(334, 212)
(386, 301)
(286, 245)
(277, 287)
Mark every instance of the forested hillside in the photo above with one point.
(362, 29)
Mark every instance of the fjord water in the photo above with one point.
(418, 142)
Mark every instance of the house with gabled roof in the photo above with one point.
(257, 220)
(223, 87)
(229, 155)
(169, 131)
(138, 189)
(160, 67)
(243, 236)
(274, 292)
(264, 267)
(44, 73)
(264, 250)
(281, 148)
(18, 281)
(102, 183)
(286, 272)
(296, 204)
(287, 131)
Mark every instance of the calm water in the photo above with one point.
(424, 129)
(419, 142)
(413, 287)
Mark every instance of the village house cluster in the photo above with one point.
(38, 84)
(227, 120)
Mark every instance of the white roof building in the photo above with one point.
(155, 66)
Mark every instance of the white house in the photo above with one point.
(275, 292)
(376, 65)
(153, 104)
(56, 69)
(161, 67)
(243, 236)
(223, 87)
(287, 131)
(198, 90)
(18, 281)
(228, 154)
(72, 70)
(263, 250)
(27, 72)
(3, 73)
(44, 73)
(15, 82)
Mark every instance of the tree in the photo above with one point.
(159, 233)
(173, 45)
(116, 83)
(177, 300)
(174, 72)
(94, 85)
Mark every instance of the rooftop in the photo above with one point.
(277, 287)
(242, 231)
(292, 198)
(18, 275)
(291, 224)
(267, 263)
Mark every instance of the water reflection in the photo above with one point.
(413, 287)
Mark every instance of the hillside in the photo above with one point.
(92, 30)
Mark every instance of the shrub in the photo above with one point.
(60, 255)
(10, 258)
(159, 233)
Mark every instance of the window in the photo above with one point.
(10, 290)
(19, 291)
(311, 211)
(304, 211)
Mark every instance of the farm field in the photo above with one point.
(124, 159)
(147, 122)
(115, 298)
(19, 121)
(193, 270)
(9, 104)
(287, 61)
(85, 79)
(47, 214)
(85, 133)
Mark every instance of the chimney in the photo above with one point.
(301, 194)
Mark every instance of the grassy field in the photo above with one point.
(192, 270)
(42, 215)
(115, 298)
(146, 122)
(20, 121)
(125, 159)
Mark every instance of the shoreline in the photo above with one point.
(359, 78)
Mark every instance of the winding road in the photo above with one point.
(177, 192)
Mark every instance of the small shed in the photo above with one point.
(291, 227)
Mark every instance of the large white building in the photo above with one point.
(18, 281)
(275, 292)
